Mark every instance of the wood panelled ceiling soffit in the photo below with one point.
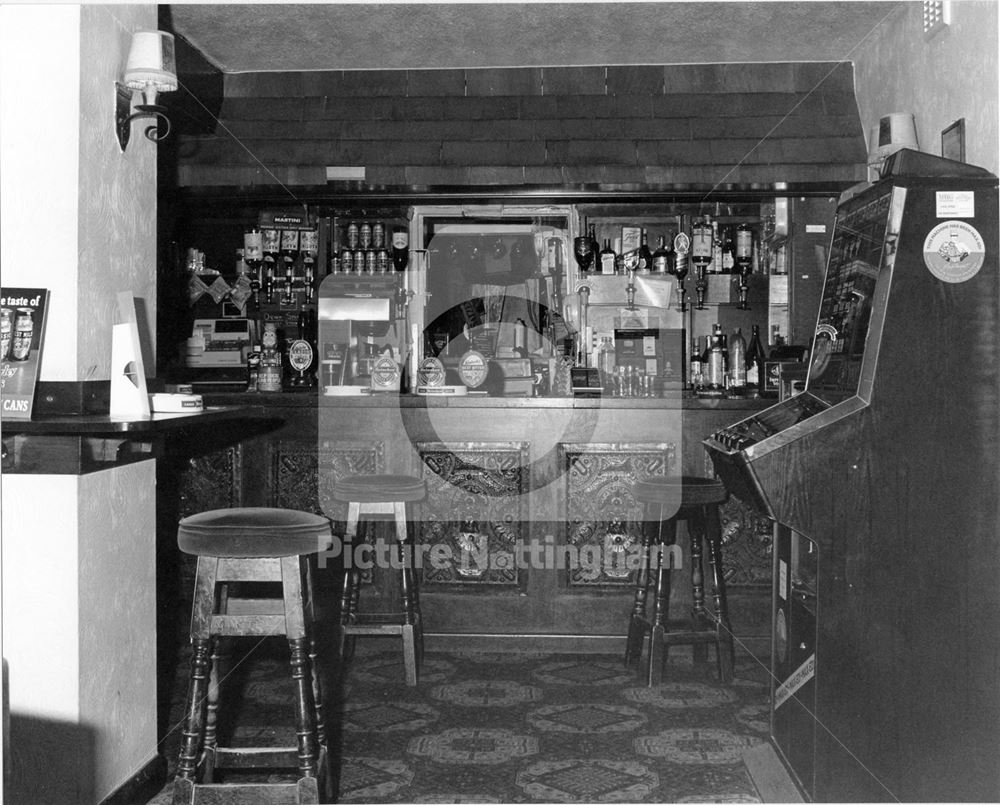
(616, 95)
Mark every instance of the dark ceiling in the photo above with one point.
(365, 36)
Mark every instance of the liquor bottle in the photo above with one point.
(309, 245)
(606, 258)
(645, 256)
(253, 369)
(737, 364)
(755, 361)
(269, 377)
(727, 249)
(289, 255)
(661, 257)
(743, 254)
(272, 249)
(716, 380)
(606, 365)
(701, 257)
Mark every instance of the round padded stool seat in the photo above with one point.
(694, 491)
(379, 489)
(250, 532)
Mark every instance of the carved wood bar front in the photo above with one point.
(530, 524)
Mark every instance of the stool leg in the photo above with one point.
(218, 654)
(637, 620)
(194, 719)
(352, 583)
(696, 532)
(661, 611)
(317, 682)
(298, 643)
(408, 595)
(724, 647)
(193, 729)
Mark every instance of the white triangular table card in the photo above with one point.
(128, 375)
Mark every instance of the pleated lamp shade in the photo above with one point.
(151, 65)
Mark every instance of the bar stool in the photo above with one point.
(252, 545)
(381, 495)
(699, 500)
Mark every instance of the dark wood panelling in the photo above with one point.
(778, 122)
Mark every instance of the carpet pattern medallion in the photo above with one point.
(521, 727)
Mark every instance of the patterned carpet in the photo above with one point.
(519, 727)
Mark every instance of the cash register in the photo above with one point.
(216, 352)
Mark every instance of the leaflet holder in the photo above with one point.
(128, 374)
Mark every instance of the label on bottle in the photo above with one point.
(607, 263)
(309, 240)
(753, 374)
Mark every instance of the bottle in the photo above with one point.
(269, 376)
(727, 248)
(606, 364)
(271, 246)
(743, 254)
(716, 380)
(253, 369)
(715, 266)
(661, 257)
(645, 256)
(607, 258)
(737, 363)
(755, 361)
(701, 244)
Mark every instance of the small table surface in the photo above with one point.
(144, 427)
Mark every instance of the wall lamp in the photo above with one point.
(151, 68)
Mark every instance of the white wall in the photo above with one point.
(39, 151)
(78, 552)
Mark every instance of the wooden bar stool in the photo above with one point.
(698, 500)
(382, 495)
(252, 545)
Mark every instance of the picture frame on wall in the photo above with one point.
(953, 141)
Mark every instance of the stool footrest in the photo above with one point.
(251, 794)
(379, 623)
(249, 625)
(256, 757)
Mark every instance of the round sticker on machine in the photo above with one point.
(954, 251)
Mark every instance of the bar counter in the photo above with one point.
(505, 476)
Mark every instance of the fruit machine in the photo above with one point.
(883, 479)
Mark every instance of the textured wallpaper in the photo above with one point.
(117, 213)
(950, 76)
